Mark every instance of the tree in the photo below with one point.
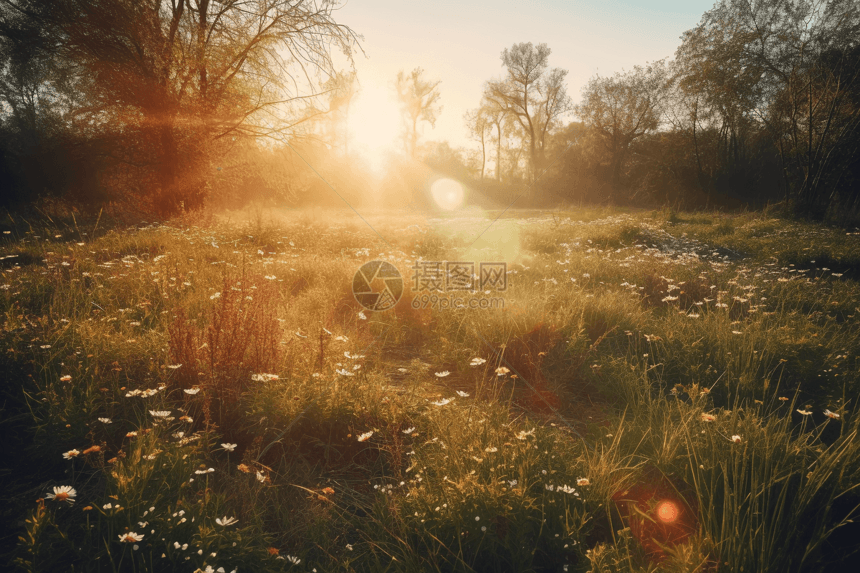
(494, 116)
(623, 108)
(175, 81)
(533, 95)
(479, 127)
(791, 64)
(341, 89)
(419, 102)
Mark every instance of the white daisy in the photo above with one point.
(63, 493)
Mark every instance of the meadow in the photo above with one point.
(660, 391)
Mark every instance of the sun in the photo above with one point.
(374, 122)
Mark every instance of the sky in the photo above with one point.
(460, 44)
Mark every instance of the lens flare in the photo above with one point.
(447, 193)
(667, 512)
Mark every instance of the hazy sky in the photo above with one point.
(460, 42)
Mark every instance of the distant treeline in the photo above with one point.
(165, 106)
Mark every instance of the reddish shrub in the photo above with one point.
(241, 337)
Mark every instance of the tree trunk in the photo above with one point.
(483, 153)
(499, 153)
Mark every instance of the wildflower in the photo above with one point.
(264, 377)
(707, 417)
(501, 371)
(477, 361)
(293, 560)
(261, 478)
(408, 431)
(92, 450)
(513, 483)
(225, 521)
(187, 419)
(523, 434)
(402, 370)
(582, 481)
(830, 414)
(804, 412)
(105, 420)
(243, 468)
(214, 296)
(131, 434)
(174, 366)
(442, 402)
(130, 537)
(491, 449)
(365, 437)
(71, 454)
(192, 391)
(442, 374)
(348, 546)
(159, 413)
(201, 472)
(63, 493)
(273, 551)
(229, 447)
(361, 315)
(65, 378)
(344, 372)
(736, 439)
(462, 394)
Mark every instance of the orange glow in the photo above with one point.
(667, 512)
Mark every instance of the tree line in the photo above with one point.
(166, 104)
(150, 102)
(760, 103)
